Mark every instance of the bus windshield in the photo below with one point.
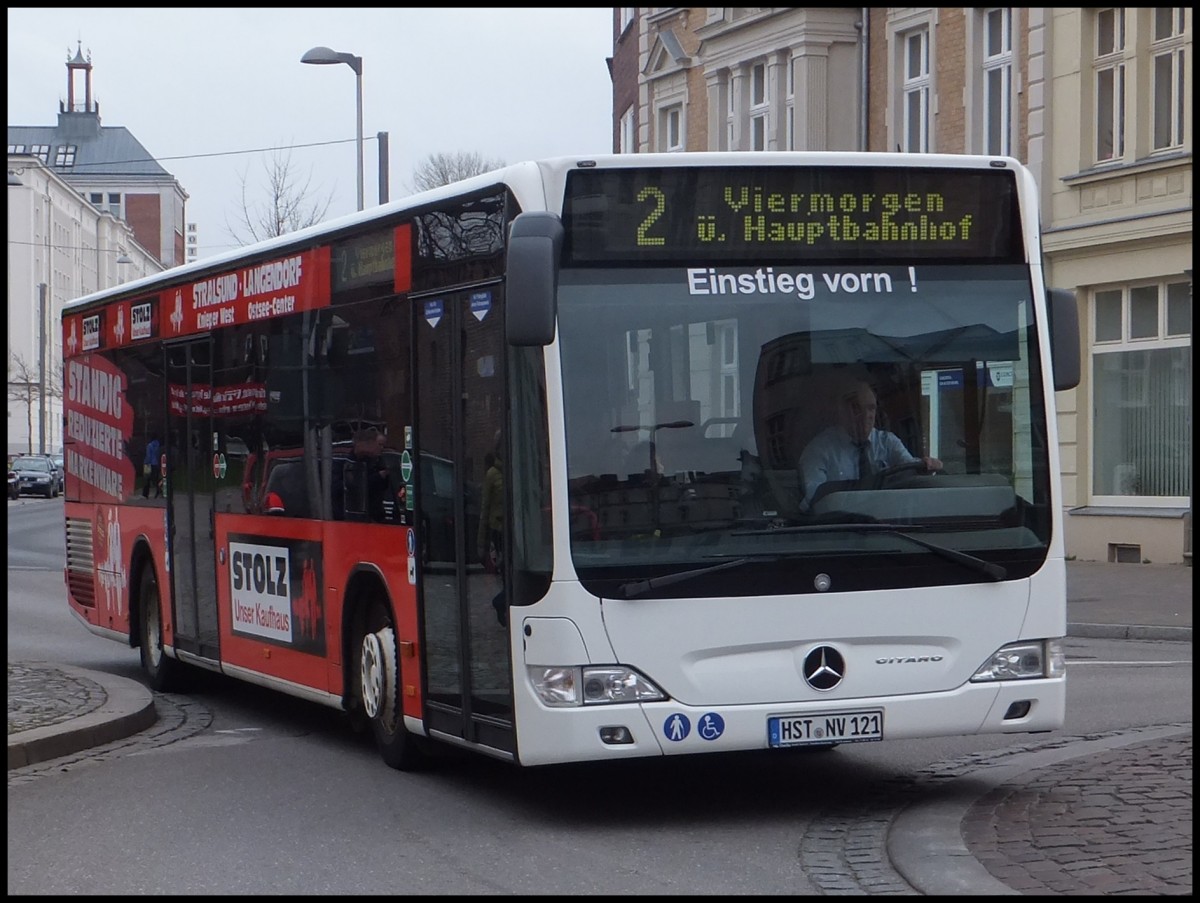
(705, 407)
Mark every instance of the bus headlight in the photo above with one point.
(592, 685)
(1022, 661)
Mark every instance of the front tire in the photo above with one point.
(378, 691)
(163, 673)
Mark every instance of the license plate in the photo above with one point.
(827, 727)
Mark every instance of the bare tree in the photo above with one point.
(289, 204)
(24, 388)
(443, 168)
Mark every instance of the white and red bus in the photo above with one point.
(515, 464)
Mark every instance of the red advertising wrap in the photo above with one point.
(261, 291)
(98, 423)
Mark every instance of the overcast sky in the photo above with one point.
(198, 86)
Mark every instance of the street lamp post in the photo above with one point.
(42, 339)
(323, 56)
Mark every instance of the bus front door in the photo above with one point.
(190, 481)
(460, 420)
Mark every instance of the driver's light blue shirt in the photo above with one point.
(833, 455)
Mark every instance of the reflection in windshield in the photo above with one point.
(690, 401)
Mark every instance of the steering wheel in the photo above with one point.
(880, 479)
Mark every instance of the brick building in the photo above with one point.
(1096, 101)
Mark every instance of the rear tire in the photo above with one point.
(163, 673)
(377, 689)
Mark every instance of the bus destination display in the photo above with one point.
(753, 214)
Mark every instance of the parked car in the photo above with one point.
(61, 466)
(14, 483)
(37, 475)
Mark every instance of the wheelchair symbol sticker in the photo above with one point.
(710, 726)
(677, 727)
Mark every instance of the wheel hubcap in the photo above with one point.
(153, 635)
(378, 678)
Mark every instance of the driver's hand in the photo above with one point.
(932, 463)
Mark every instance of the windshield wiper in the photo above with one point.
(987, 568)
(637, 587)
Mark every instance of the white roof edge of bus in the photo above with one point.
(519, 176)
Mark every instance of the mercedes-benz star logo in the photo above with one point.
(824, 668)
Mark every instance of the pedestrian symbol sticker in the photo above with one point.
(710, 726)
(481, 303)
(677, 727)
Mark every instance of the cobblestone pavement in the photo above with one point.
(1116, 822)
(44, 695)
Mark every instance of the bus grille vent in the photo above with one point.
(81, 564)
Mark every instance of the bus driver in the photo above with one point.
(853, 448)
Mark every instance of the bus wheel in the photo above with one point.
(379, 693)
(162, 671)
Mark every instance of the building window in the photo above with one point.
(41, 151)
(670, 126)
(628, 136)
(628, 14)
(1169, 77)
(790, 105)
(915, 92)
(730, 114)
(1142, 364)
(114, 205)
(760, 101)
(16, 148)
(729, 395)
(997, 81)
(65, 155)
(1110, 84)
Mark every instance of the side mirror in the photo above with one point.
(535, 242)
(1064, 337)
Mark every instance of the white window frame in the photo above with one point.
(997, 81)
(1108, 85)
(671, 138)
(729, 389)
(628, 14)
(1168, 78)
(1135, 388)
(915, 91)
(628, 131)
(789, 107)
(730, 113)
(760, 106)
(65, 155)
